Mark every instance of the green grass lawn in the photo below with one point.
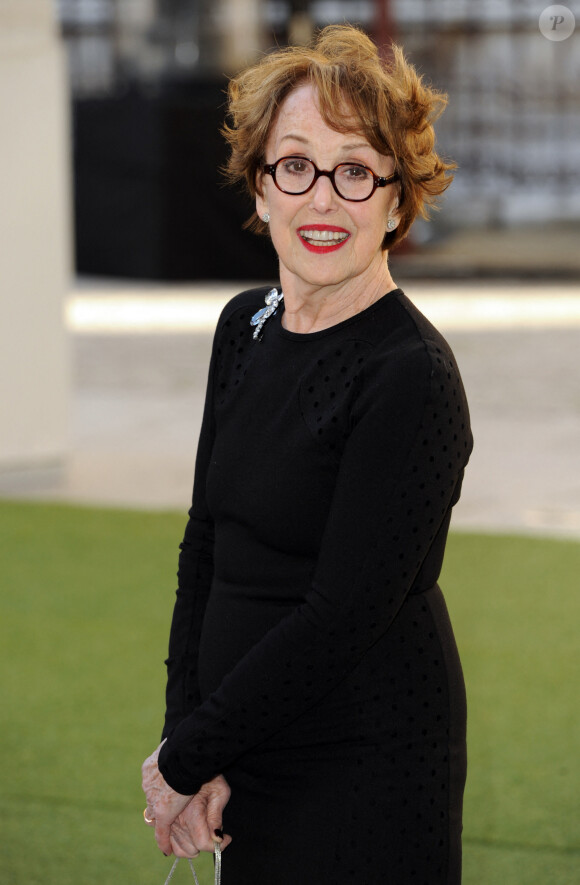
(84, 613)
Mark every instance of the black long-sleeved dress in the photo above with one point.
(311, 657)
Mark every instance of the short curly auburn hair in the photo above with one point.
(391, 106)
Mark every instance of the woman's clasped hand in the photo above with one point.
(184, 825)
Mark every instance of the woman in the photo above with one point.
(312, 667)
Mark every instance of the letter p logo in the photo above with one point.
(557, 23)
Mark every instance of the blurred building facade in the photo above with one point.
(512, 125)
(513, 119)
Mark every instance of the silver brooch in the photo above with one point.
(273, 300)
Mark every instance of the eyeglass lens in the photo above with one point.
(352, 181)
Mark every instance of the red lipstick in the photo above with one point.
(325, 237)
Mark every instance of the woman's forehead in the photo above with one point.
(299, 117)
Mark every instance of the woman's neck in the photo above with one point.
(311, 308)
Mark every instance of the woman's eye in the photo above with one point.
(355, 172)
(296, 167)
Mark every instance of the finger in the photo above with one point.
(215, 807)
(217, 801)
(178, 851)
(181, 842)
(194, 820)
(226, 840)
(163, 837)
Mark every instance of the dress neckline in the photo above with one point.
(331, 330)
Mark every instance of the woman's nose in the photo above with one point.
(323, 195)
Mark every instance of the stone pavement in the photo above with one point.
(139, 386)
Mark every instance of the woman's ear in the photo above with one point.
(393, 217)
(261, 204)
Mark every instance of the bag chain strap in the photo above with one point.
(218, 867)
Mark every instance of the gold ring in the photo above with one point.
(147, 819)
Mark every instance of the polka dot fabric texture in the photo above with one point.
(311, 657)
(328, 390)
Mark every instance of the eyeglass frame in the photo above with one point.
(378, 180)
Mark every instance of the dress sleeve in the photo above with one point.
(399, 475)
(195, 572)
